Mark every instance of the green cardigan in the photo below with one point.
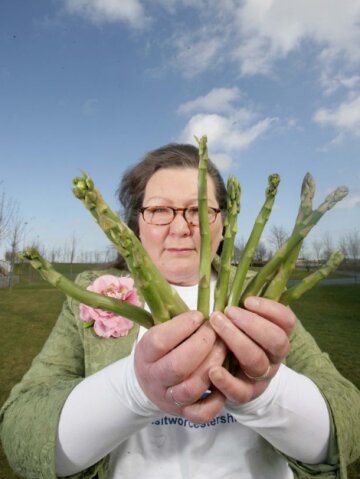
(29, 418)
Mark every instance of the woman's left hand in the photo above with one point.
(258, 337)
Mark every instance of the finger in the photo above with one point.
(162, 338)
(267, 335)
(276, 312)
(204, 410)
(251, 356)
(236, 389)
(193, 387)
(183, 360)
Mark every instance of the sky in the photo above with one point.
(92, 85)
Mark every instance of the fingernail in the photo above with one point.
(215, 374)
(198, 318)
(252, 302)
(216, 319)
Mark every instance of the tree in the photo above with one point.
(54, 255)
(238, 249)
(15, 238)
(328, 246)
(110, 254)
(353, 245)
(260, 253)
(317, 247)
(343, 246)
(8, 210)
(278, 236)
(72, 251)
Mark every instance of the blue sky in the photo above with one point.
(94, 84)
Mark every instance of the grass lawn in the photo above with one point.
(29, 310)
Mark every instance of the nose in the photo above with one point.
(179, 225)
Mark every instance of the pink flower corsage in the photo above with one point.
(105, 323)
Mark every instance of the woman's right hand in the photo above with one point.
(172, 361)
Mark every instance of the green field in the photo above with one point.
(29, 310)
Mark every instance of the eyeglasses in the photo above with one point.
(164, 215)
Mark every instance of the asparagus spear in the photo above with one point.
(107, 303)
(233, 209)
(301, 230)
(203, 300)
(312, 279)
(278, 283)
(162, 299)
(248, 253)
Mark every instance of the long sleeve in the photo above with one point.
(29, 418)
(342, 398)
(109, 405)
(291, 415)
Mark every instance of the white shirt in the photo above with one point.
(146, 444)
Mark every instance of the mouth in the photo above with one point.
(179, 251)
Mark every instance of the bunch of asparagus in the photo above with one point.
(163, 301)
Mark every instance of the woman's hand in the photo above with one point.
(258, 337)
(172, 361)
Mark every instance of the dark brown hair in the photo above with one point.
(132, 186)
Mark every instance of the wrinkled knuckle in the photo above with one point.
(281, 344)
(187, 393)
(176, 370)
(253, 362)
(285, 348)
(157, 343)
(291, 319)
(153, 374)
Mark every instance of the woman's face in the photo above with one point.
(175, 248)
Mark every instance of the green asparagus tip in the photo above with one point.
(233, 188)
(202, 142)
(308, 179)
(29, 254)
(337, 257)
(308, 185)
(82, 186)
(273, 183)
(341, 192)
(337, 195)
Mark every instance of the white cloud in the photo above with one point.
(229, 127)
(331, 83)
(272, 29)
(223, 161)
(344, 118)
(196, 52)
(256, 34)
(109, 11)
(337, 140)
(225, 134)
(217, 100)
(172, 5)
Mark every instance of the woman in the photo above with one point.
(158, 403)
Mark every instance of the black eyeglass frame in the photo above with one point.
(175, 211)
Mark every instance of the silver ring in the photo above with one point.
(177, 403)
(262, 377)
